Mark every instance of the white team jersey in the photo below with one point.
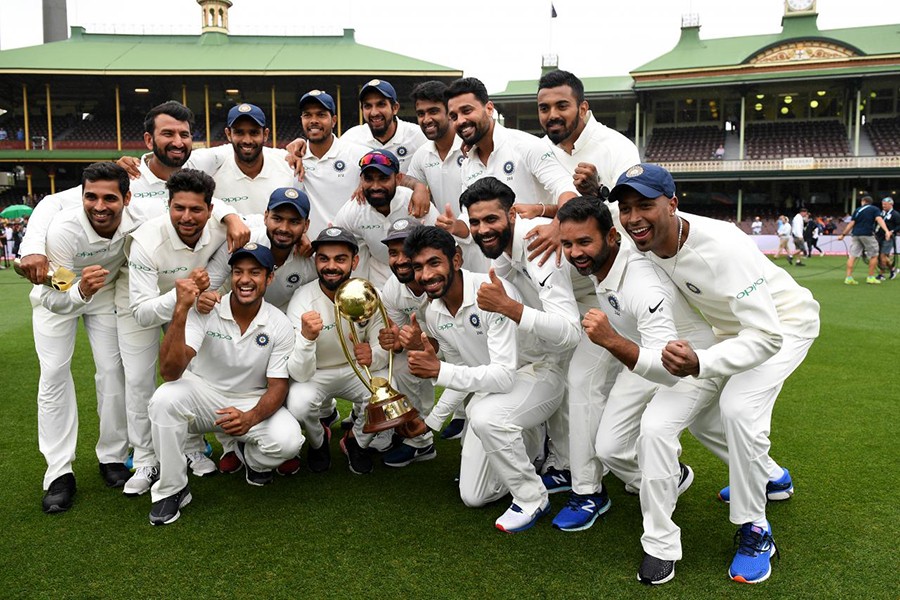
(239, 364)
(249, 196)
(550, 311)
(401, 303)
(330, 181)
(325, 351)
(741, 293)
(643, 306)
(407, 139)
(608, 150)
(157, 258)
(443, 177)
(522, 162)
(73, 243)
(35, 239)
(289, 277)
(370, 227)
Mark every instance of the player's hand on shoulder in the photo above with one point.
(132, 166)
(311, 325)
(545, 243)
(585, 179)
(237, 234)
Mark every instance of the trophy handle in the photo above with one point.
(338, 320)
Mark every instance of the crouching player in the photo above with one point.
(237, 383)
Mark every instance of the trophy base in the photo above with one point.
(378, 415)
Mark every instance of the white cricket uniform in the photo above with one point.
(330, 181)
(769, 322)
(72, 242)
(230, 369)
(406, 140)
(608, 150)
(444, 181)
(518, 383)
(319, 369)
(370, 227)
(250, 195)
(522, 162)
(156, 259)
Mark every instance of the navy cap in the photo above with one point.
(647, 179)
(246, 110)
(400, 230)
(380, 86)
(292, 197)
(321, 97)
(260, 254)
(336, 235)
(383, 160)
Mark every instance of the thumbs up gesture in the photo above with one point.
(492, 296)
(424, 363)
(449, 223)
(410, 335)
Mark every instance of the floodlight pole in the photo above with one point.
(118, 121)
(27, 128)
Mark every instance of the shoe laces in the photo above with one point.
(196, 456)
(751, 541)
(145, 472)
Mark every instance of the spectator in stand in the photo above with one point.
(20, 134)
(756, 226)
(3, 134)
(887, 244)
(784, 236)
(719, 154)
(862, 227)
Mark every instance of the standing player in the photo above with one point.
(516, 379)
(90, 241)
(887, 243)
(862, 243)
(768, 323)
(797, 225)
(237, 382)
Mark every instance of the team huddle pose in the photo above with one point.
(576, 320)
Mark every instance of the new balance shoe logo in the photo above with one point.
(589, 506)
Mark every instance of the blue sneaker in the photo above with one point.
(515, 519)
(556, 480)
(129, 462)
(404, 454)
(752, 563)
(581, 511)
(208, 450)
(453, 430)
(780, 489)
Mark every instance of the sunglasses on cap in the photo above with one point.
(377, 159)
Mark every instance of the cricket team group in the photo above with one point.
(576, 320)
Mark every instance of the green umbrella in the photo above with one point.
(16, 211)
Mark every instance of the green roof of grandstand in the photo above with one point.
(692, 52)
(212, 53)
(593, 86)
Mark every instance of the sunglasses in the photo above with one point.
(377, 159)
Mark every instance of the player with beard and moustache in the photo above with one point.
(594, 154)
(330, 163)
(549, 311)
(317, 365)
(237, 382)
(90, 241)
(516, 158)
(515, 378)
(634, 428)
(438, 163)
(248, 170)
(386, 201)
(766, 321)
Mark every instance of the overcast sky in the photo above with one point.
(495, 40)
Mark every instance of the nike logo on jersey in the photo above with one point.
(653, 309)
(545, 280)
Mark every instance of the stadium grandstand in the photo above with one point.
(803, 117)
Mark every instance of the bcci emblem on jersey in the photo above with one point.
(474, 320)
(262, 340)
(509, 167)
(614, 302)
(402, 151)
(339, 166)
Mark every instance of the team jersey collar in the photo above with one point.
(331, 153)
(470, 295)
(613, 279)
(590, 125)
(125, 227)
(225, 313)
(177, 244)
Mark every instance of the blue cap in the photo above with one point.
(380, 86)
(290, 196)
(260, 254)
(647, 179)
(321, 97)
(246, 110)
(383, 160)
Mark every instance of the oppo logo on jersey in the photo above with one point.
(750, 289)
(234, 199)
(217, 335)
(175, 270)
(445, 326)
(86, 254)
(139, 267)
(149, 194)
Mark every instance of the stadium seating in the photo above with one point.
(885, 135)
(684, 143)
(819, 139)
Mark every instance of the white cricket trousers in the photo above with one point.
(54, 341)
(305, 401)
(419, 392)
(505, 434)
(669, 413)
(188, 405)
(746, 405)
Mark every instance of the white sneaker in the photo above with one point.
(383, 441)
(200, 464)
(515, 519)
(141, 481)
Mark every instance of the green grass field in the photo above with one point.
(403, 533)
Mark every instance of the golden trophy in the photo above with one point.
(60, 279)
(357, 301)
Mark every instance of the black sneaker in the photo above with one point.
(348, 422)
(686, 478)
(655, 571)
(257, 478)
(114, 474)
(58, 497)
(790, 259)
(453, 430)
(360, 461)
(330, 420)
(167, 511)
(319, 459)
